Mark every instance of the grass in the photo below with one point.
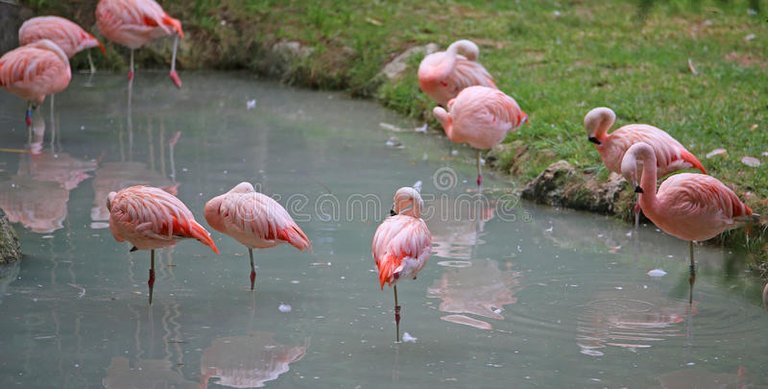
(558, 59)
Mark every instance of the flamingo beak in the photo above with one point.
(392, 212)
(638, 189)
(594, 140)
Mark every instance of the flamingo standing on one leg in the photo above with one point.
(65, 33)
(134, 23)
(255, 220)
(689, 206)
(444, 74)
(151, 218)
(670, 154)
(482, 117)
(402, 243)
(33, 71)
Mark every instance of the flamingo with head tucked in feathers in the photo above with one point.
(255, 220)
(481, 117)
(688, 206)
(134, 23)
(151, 218)
(442, 75)
(402, 243)
(34, 71)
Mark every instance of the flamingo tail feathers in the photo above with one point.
(690, 158)
(196, 231)
(296, 237)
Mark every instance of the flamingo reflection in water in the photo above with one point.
(702, 379)
(248, 361)
(458, 226)
(630, 320)
(146, 373)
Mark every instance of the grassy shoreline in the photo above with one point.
(557, 59)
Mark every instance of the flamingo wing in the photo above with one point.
(467, 73)
(32, 73)
(400, 241)
(692, 194)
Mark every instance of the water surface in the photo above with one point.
(516, 295)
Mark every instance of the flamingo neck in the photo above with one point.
(648, 183)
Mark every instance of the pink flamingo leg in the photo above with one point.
(151, 281)
(130, 70)
(175, 76)
(692, 276)
(253, 269)
(479, 170)
(28, 115)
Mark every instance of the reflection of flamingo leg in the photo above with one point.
(692, 277)
(151, 281)
(253, 268)
(397, 316)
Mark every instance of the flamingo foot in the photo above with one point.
(479, 180)
(130, 75)
(175, 78)
(151, 284)
(253, 278)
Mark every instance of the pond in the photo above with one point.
(515, 294)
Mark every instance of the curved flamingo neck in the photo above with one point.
(467, 48)
(648, 198)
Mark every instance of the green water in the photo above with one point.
(515, 295)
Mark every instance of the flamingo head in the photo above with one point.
(110, 198)
(597, 122)
(633, 161)
(407, 202)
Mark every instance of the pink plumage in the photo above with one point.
(670, 154)
(70, 37)
(255, 220)
(151, 218)
(481, 117)
(35, 70)
(444, 74)
(402, 243)
(134, 23)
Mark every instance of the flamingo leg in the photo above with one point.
(130, 71)
(253, 268)
(151, 281)
(637, 210)
(28, 114)
(90, 62)
(479, 170)
(397, 317)
(692, 277)
(53, 125)
(175, 76)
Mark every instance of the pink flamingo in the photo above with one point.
(402, 243)
(134, 23)
(33, 71)
(482, 117)
(151, 218)
(444, 74)
(65, 33)
(255, 220)
(688, 206)
(670, 154)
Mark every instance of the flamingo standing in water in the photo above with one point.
(255, 220)
(402, 243)
(670, 154)
(65, 33)
(151, 218)
(33, 71)
(688, 206)
(482, 117)
(134, 23)
(444, 74)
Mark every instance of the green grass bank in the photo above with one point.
(558, 59)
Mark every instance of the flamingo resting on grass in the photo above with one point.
(66, 34)
(671, 156)
(482, 117)
(255, 220)
(444, 74)
(34, 71)
(151, 218)
(688, 206)
(402, 243)
(134, 23)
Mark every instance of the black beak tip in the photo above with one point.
(392, 212)
(594, 140)
(638, 189)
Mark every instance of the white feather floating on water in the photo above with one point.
(407, 338)
(657, 273)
